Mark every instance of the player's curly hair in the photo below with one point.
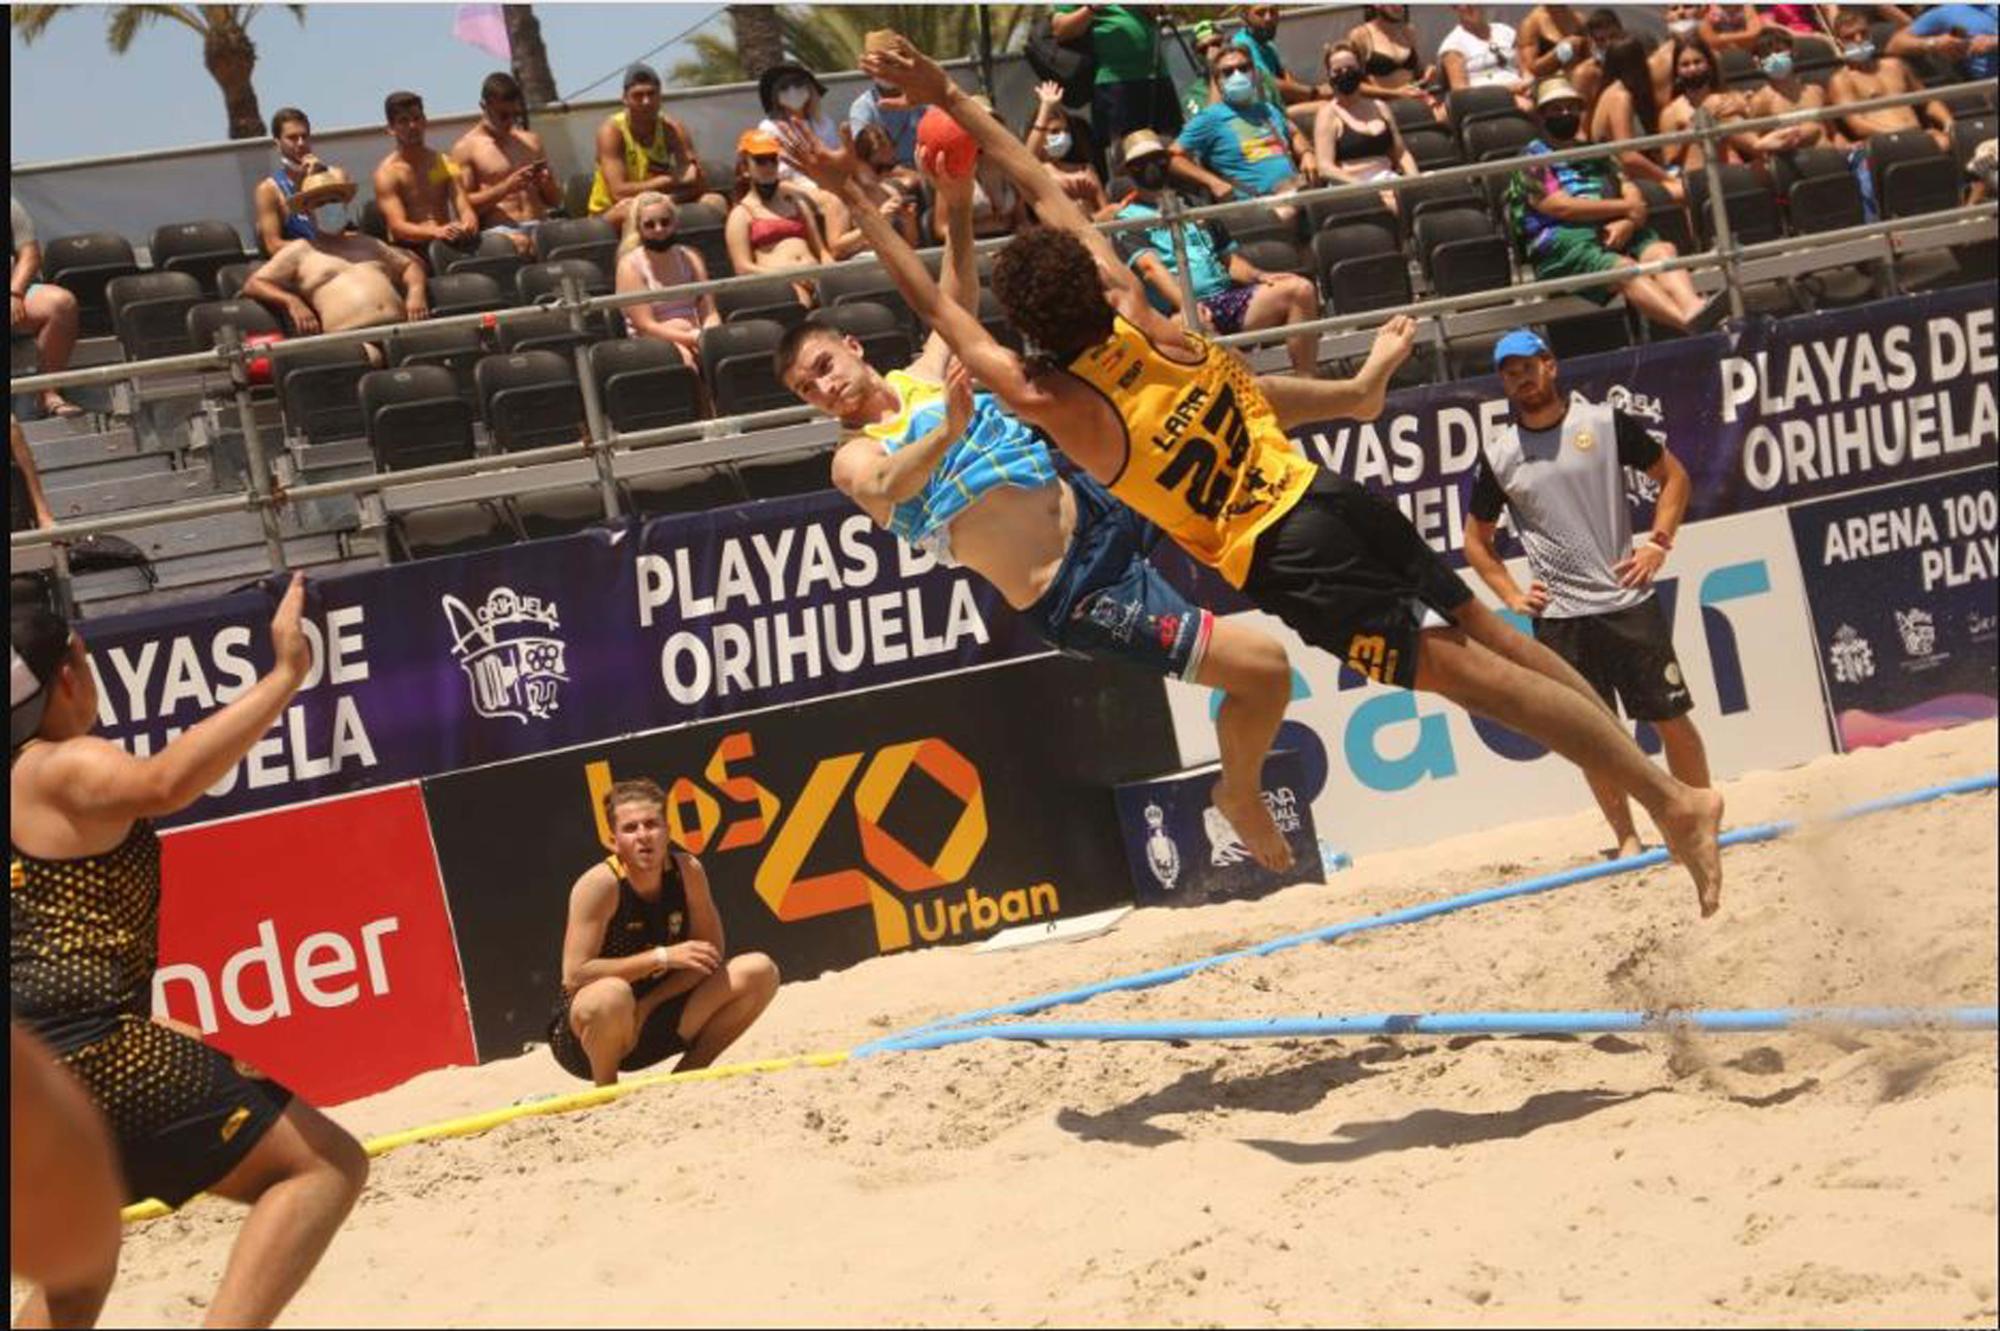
(1052, 292)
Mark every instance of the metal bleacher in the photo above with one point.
(218, 473)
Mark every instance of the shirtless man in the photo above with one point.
(1865, 73)
(953, 472)
(343, 279)
(415, 186)
(504, 168)
(276, 220)
(1340, 565)
(1784, 91)
(639, 149)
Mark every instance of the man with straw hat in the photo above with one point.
(341, 278)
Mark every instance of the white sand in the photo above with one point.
(1803, 1179)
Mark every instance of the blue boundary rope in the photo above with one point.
(1409, 915)
(1714, 1021)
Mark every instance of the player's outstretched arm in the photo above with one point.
(1302, 401)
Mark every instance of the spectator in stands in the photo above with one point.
(1960, 38)
(1259, 37)
(790, 91)
(1584, 217)
(641, 150)
(1683, 22)
(1243, 145)
(1388, 45)
(1198, 92)
(1626, 109)
(1603, 27)
(1131, 89)
(1698, 87)
(1554, 42)
(772, 227)
(1729, 27)
(998, 209)
(884, 107)
(276, 222)
(645, 973)
(341, 278)
(1231, 294)
(504, 167)
(1062, 142)
(1355, 138)
(883, 180)
(649, 259)
(1784, 91)
(27, 507)
(416, 187)
(1479, 53)
(1799, 20)
(37, 309)
(1864, 74)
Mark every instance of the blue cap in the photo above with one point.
(1519, 342)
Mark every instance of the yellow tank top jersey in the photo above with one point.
(641, 161)
(1205, 458)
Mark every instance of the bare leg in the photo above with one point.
(300, 1181)
(63, 1228)
(1678, 284)
(52, 314)
(1646, 295)
(1617, 811)
(605, 1020)
(1287, 299)
(724, 1006)
(1687, 757)
(1250, 668)
(1482, 681)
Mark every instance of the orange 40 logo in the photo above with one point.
(889, 869)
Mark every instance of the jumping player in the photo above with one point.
(1179, 430)
(949, 470)
(84, 913)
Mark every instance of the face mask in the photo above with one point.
(1237, 87)
(1565, 51)
(1265, 34)
(1562, 127)
(1683, 27)
(1149, 175)
(765, 188)
(1058, 145)
(794, 97)
(1346, 80)
(1697, 81)
(1859, 54)
(1778, 65)
(330, 218)
(657, 243)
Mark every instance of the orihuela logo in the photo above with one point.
(1918, 631)
(509, 652)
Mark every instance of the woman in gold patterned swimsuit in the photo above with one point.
(84, 919)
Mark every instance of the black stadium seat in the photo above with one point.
(1490, 138)
(1277, 256)
(83, 265)
(1462, 251)
(318, 387)
(491, 253)
(772, 299)
(885, 341)
(415, 417)
(736, 362)
(198, 249)
(1466, 104)
(576, 193)
(206, 321)
(1411, 113)
(644, 385)
(1912, 174)
(869, 282)
(455, 350)
(149, 313)
(1814, 59)
(1360, 269)
(530, 399)
(229, 278)
(538, 281)
(1433, 148)
(1825, 202)
(1667, 217)
(590, 238)
(547, 330)
(465, 293)
(1747, 200)
(1739, 70)
(1586, 334)
(701, 228)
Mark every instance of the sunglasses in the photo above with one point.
(764, 159)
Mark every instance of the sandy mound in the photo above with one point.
(1803, 1179)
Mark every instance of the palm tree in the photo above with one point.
(759, 40)
(226, 49)
(531, 57)
(828, 37)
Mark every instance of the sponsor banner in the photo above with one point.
(935, 812)
(314, 944)
(444, 664)
(1183, 852)
(1901, 583)
(1388, 768)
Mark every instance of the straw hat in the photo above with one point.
(1556, 90)
(329, 184)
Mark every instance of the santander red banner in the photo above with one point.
(314, 942)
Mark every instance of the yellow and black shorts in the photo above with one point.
(184, 1114)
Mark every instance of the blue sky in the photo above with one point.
(337, 65)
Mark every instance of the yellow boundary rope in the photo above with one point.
(559, 1104)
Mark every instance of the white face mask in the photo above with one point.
(1058, 145)
(330, 218)
(795, 98)
(1683, 27)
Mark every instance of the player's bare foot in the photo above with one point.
(1690, 828)
(1629, 845)
(1252, 822)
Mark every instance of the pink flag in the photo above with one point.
(484, 27)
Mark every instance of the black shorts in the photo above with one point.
(1349, 574)
(659, 1039)
(182, 1112)
(1628, 657)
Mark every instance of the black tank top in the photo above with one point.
(85, 938)
(639, 925)
(1380, 64)
(1356, 145)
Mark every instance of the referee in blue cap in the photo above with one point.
(1560, 469)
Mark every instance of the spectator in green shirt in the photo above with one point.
(1132, 88)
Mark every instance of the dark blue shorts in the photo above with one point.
(1107, 601)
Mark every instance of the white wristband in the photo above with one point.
(662, 956)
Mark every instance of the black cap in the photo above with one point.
(37, 644)
(767, 83)
(640, 73)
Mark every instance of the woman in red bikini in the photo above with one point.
(773, 227)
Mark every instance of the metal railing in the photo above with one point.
(717, 442)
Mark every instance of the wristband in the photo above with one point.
(661, 955)
(1664, 540)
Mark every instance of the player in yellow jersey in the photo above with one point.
(1180, 430)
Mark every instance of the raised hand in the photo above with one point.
(921, 78)
(1048, 92)
(288, 639)
(832, 170)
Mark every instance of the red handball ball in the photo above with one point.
(944, 142)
